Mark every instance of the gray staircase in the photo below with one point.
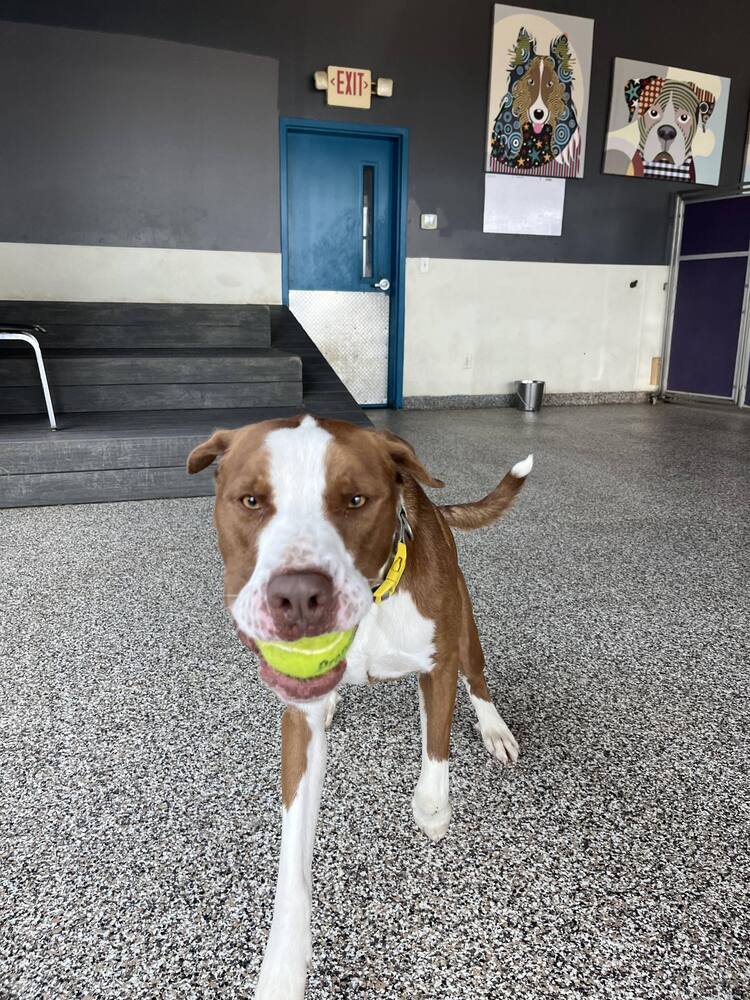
(147, 357)
(136, 386)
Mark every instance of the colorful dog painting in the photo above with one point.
(669, 113)
(670, 127)
(537, 125)
(538, 93)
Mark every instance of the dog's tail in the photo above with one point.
(467, 516)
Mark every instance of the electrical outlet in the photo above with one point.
(468, 362)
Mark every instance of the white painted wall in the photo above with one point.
(137, 274)
(580, 327)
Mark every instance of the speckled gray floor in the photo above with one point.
(139, 818)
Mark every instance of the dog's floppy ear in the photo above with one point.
(203, 454)
(559, 49)
(633, 91)
(404, 457)
(706, 104)
(641, 94)
(705, 110)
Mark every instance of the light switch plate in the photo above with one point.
(428, 220)
(424, 264)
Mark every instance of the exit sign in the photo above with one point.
(349, 87)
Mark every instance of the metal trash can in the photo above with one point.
(529, 395)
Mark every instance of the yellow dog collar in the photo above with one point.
(392, 577)
(396, 570)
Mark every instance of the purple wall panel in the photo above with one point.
(719, 226)
(708, 307)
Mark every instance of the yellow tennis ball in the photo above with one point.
(311, 656)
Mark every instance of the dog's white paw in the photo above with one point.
(499, 740)
(432, 818)
(332, 703)
(496, 736)
(282, 977)
(283, 972)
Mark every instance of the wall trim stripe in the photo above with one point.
(67, 273)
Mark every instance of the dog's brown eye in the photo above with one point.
(251, 502)
(549, 83)
(357, 501)
(653, 113)
(683, 118)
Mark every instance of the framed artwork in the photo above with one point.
(666, 123)
(539, 93)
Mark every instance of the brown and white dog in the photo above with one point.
(307, 514)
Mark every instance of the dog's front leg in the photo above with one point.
(303, 757)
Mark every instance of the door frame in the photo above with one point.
(400, 138)
(742, 361)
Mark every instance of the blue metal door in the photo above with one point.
(341, 239)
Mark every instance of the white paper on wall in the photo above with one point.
(524, 206)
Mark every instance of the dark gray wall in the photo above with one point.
(438, 54)
(128, 141)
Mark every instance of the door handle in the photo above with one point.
(384, 284)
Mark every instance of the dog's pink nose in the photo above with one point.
(301, 602)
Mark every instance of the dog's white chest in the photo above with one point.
(393, 639)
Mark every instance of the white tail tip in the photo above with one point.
(521, 469)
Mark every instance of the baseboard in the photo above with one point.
(457, 402)
(508, 399)
(595, 398)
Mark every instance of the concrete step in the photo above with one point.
(159, 337)
(153, 396)
(68, 368)
(143, 326)
(115, 440)
(109, 313)
(102, 485)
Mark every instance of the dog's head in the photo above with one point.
(669, 113)
(306, 512)
(539, 88)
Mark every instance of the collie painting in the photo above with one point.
(539, 84)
